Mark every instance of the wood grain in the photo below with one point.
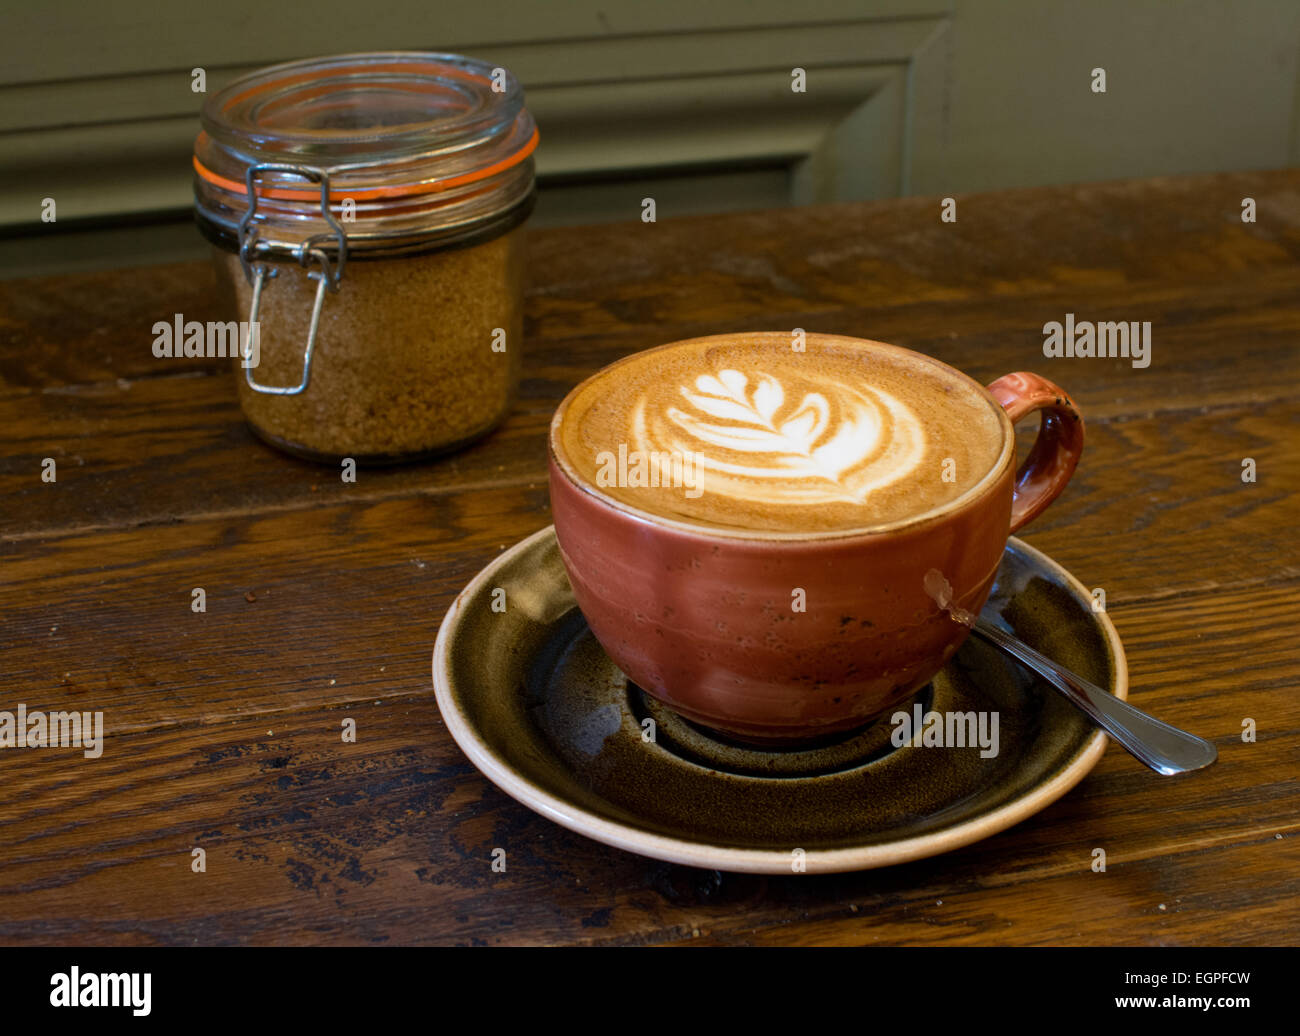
(713, 271)
(312, 839)
(115, 605)
(179, 448)
(224, 727)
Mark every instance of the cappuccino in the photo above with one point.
(844, 434)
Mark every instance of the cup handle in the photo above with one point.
(1055, 452)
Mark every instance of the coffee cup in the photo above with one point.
(771, 533)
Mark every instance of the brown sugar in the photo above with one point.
(412, 173)
(409, 357)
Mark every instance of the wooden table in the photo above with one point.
(323, 598)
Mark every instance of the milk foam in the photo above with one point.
(818, 443)
(845, 434)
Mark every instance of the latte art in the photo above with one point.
(816, 442)
(846, 434)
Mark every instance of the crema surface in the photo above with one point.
(745, 432)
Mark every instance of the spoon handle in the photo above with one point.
(1165, 749)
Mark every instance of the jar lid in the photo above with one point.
(407, 148)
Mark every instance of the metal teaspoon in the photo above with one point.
(1165, 749)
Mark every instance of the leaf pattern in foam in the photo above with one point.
(790, 445)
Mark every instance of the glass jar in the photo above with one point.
(366, 214)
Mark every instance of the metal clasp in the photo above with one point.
(258, 273)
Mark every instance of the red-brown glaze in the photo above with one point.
(1055, 452)
(706, 623)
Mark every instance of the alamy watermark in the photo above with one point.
(946, 730)
(131, 989)
(216, 339)
(1106, 338)
(23, 729)
(650, 469)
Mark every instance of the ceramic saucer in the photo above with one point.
(534, 702)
